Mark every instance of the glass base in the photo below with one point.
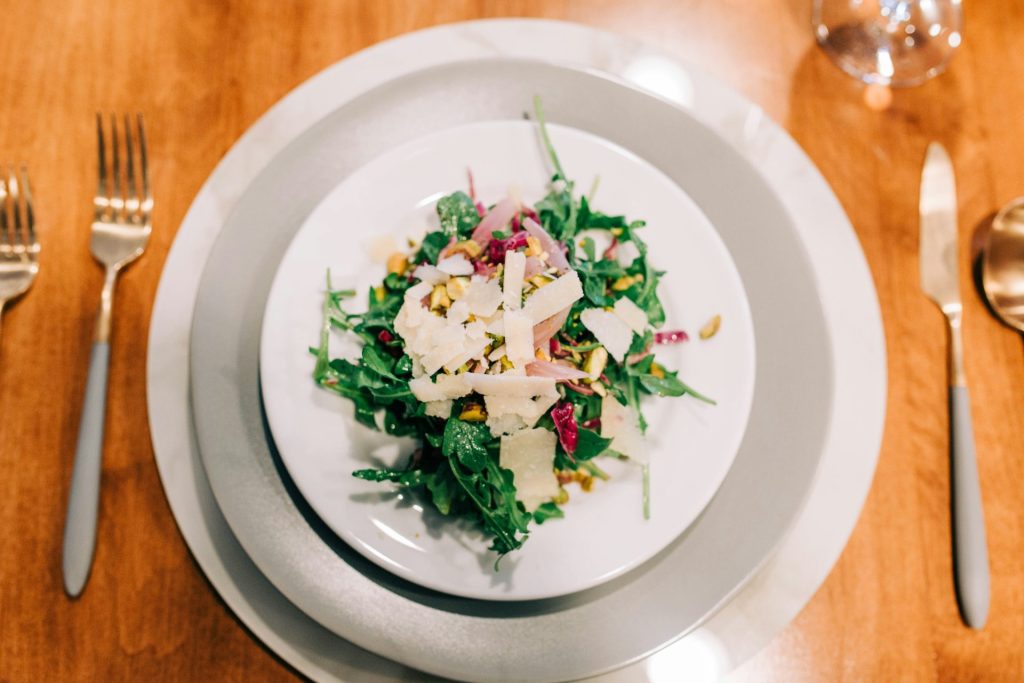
(875, 54)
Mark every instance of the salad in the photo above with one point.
(514, 343)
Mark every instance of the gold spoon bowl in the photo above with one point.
(1002, 274)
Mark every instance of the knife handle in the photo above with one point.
(970, 546)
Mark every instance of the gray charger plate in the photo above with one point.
(562, 638)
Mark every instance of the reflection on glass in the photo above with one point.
(889, 42)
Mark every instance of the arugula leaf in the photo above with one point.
(467, 441)
(458, 214)
(594, 287)
(587, 245)
(408, 478)
(547, 511)
(443, 490)
(431, 247)
(671, 385)
(589, 444)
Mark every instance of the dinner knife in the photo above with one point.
(939, 280)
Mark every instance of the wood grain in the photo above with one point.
(204, 71)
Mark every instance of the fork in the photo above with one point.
(19, 247)
(120, 229)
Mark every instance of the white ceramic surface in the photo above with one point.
(691, 443)
(801, 564)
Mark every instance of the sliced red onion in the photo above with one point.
(634, 358)
(496, 219)
(496, 248)
(556, 256)
(485, 269)
(557, 371)
(549, 327)
(610, 251)
(579, 388)
(671, 337)
(564, 418)
(533, 266)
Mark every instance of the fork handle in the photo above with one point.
(83, 503)
(970, 547)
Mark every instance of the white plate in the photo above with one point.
(661, 599)
(604, 533)
(768, 602)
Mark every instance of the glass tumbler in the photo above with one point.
(889, 42)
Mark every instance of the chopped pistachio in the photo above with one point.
(457, 286)
(626, 281)
(541, 354)
(397, 263)
(439, 298)
(711, 328)
(533, 247)
(468, 247)
(473, 412)
(596, 361)
(539, 280)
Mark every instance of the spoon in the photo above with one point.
(1002, 275)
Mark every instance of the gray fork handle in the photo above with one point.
(971, 548)
(83, 503)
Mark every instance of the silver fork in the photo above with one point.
(120, 229)
(19, 247)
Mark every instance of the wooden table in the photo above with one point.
(204, 71)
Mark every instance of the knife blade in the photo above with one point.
(938, 229)
(940, 282)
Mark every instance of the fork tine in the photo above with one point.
(117, 197)
(147, 198)
(102, 198)
(14, 201)
(131, 194)
(30, 216)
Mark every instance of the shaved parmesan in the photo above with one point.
(613, 334)
(497, 353)
(496, 326)
(441, 409)
(515, 270)
(456, 265)
(530, 455)
(619, 423)
(518, 338)
(504, 424)
(483, 297)
(446, 387)
(511, 385)
(429, 274)
(472, 350)
(552, 298)
(417, 292)
(458, 312)
(631, 314)
(527, 410)
(448, 343)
